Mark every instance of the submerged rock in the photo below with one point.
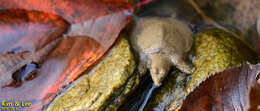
(105, 87)
(214, 50)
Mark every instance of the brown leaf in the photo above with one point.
(254, 97)
(228, 90)
(240, 13)
(245, 12)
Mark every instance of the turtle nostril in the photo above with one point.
(162, 72)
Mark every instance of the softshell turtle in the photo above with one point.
(161, 43)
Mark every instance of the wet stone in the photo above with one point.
(105, 87)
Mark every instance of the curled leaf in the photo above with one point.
(228, 90)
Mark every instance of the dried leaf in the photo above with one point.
(228, 90)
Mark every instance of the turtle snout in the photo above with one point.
(158, 75)
(159, 68)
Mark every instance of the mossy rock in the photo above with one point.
(214, 50)
(104, 88)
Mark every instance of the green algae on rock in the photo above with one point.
(105, 87)
(216, 50)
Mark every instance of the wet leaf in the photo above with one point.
(116, 1)
(74, 11)
(22, 30)
(104, 30)
(228, 90)
(10, 63)
(93, 18)
(94, 27)
(66, 62)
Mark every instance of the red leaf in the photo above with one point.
(228, 90)
(116, 1)
(97, 23)
(74, 11)
(63, 65)
(28, 30)
(10, 63)
(93, 18)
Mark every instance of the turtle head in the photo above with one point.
(160, 66)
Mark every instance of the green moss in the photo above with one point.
(216, 50)
(106, 87)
